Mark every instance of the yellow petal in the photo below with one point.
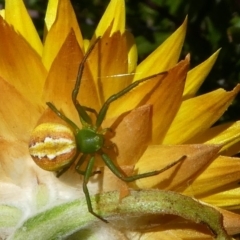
(65, 21)
(152, 92)
(156, 157)
(232, 150)
(226, 135)
(197, 75)
(17, 15)
(2, 13)
(17, 115)
(109, 64)
(51, 14)
(29, 74)
(166, 100)
(229, 199)
(222, 173)
(198, 114)
(115, 16)
(62, 76)
(132, 52)
(165, 56)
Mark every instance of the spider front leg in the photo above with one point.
(120, 175)
(63, 117)
(82, 109)
(87, 174)
(82, 113)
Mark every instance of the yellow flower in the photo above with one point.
(154, 125)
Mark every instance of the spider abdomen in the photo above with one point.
(52, 146)
(88, 141)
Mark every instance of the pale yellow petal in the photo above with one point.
(165, 56)
(198, 114)
(115, 16)
(220, 175)
(64, 22)
(197, 75)
(18, 116)
(156, 157)
(15, 164)
(16, 14)
(29, 73)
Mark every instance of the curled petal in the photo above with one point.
(132, 133)
(231, 221)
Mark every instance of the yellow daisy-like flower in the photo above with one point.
(154, 125)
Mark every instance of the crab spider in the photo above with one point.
(55, 147)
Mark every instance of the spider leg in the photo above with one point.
(63, 170)
(120, 175)
(92, 110)
(62, 116)
(87, 174)
(79, 164)
(114, 97)
(82, 110)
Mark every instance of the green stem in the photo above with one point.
(63, 220)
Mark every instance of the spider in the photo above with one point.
(55, 147)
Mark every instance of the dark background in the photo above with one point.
(212, 24)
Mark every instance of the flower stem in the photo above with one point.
(61, 221)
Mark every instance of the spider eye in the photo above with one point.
(52, 146)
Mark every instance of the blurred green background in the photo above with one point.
(212, 24)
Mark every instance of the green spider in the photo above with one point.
(55, 147)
